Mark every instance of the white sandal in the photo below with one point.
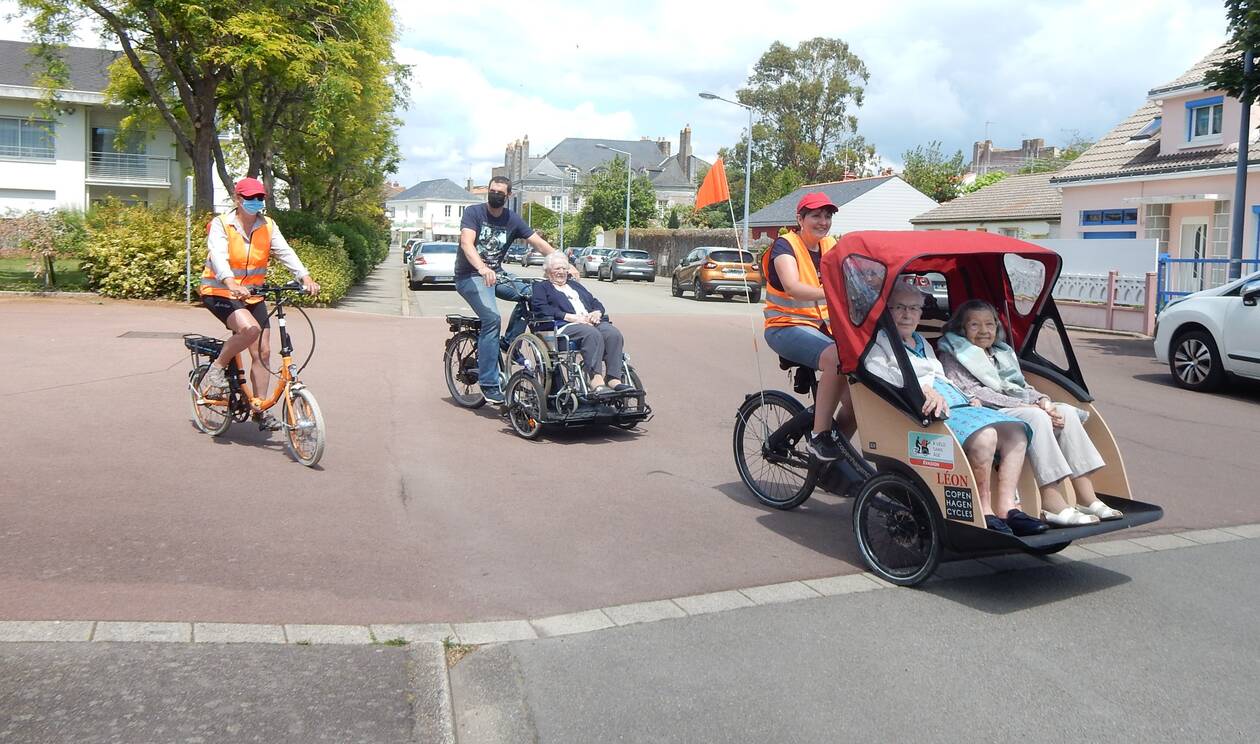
(1069, 517)
(1100, 510)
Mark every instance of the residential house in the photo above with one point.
(430, 210)
(1167, 173)
(1020, 206)
(553, 179)
(877, 203)
(985, 157)
(73, 158)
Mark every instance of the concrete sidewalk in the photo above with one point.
(150, 692)
(1137, 648)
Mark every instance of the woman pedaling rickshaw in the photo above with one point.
(915, 490)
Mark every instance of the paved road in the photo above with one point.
(1159, 647)
(112, 507)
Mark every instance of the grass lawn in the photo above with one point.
(16, 274)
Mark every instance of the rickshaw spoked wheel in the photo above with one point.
(782, 479)
(897, 528)
(525, 400)
(633, 380)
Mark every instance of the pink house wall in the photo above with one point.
(1077, 198)
(1172, 133)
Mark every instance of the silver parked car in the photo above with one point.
(432, 263)
(590, 262)
(628, 264)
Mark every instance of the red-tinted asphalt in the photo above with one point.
(112, 506)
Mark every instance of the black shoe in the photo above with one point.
(997, 524)
(493, 395)
(1023, 525)
(823, 447)
(267, 422)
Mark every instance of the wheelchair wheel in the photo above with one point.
(525, 403)
(633, 380)
(781, 479)
(460, 361)
(897, 528)
(528, 353)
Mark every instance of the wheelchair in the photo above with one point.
(540, 373)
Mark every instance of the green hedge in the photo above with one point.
(366, 243)
(329, 266)
(138, 253)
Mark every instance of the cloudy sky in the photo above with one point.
(485, 74)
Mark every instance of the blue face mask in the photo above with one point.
(252, 206)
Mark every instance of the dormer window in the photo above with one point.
(1204, 118)
(1150, 130)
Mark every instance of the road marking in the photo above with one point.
(502, 631)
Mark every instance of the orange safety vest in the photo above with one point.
(248, 260)
(784, 310)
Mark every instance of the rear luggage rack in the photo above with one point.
(201, 345)
(459, 323)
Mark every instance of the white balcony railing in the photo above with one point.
(126, 167)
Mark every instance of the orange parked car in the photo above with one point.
(718, 270)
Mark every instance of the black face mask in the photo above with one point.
(496, 199)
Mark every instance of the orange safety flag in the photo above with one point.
(714, 189)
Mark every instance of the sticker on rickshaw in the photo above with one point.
(958, 504)
(930, 450)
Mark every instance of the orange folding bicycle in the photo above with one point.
(302, 422)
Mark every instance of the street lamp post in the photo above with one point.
(747, 156)
(629, 173)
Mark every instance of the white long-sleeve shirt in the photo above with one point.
(217, 243)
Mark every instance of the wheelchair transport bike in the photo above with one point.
(302, 422)
(540, 373)
(913, 488)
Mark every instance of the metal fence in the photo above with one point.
(1183, 276)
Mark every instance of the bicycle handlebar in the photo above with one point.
(293, 286)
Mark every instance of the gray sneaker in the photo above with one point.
(215, 378)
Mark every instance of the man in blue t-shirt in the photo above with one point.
(485, 233)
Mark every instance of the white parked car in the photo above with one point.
(432, 263)
(1208, 335)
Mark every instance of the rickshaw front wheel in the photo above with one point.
(782, 477)
(898, 529)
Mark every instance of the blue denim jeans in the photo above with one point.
(482, 300)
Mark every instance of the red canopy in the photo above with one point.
(858, 276)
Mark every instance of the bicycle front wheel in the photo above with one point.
(781, 477)
(211, 418)
(304, 426)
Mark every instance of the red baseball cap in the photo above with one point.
(815, 200)
(250, 187)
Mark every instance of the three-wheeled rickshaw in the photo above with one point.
(913, 488)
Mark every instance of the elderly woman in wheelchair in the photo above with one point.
(581, 317)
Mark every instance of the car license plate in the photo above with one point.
(733, 272)
(443, 278)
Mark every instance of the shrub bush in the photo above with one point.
(137, 252)
(329, 266)
(357, 248)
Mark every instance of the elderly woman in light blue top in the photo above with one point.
(980, 363)
(983, 432)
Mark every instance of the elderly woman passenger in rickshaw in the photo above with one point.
(580, 316)
(978, 361)
(983, 432)
(796, 319)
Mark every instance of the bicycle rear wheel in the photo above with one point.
(211, 418)
(460, 361)
(782, 478)
(304, 427)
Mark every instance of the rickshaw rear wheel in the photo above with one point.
(898, 529)
(781, 479)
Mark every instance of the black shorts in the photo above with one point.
(222, 307)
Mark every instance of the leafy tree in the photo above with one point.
(604, 201)
(987, 179)
(807, 97)
(675, 221)
(46, 237)
(1243, 18)
(929, 171)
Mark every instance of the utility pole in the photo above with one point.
(1239, 212)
